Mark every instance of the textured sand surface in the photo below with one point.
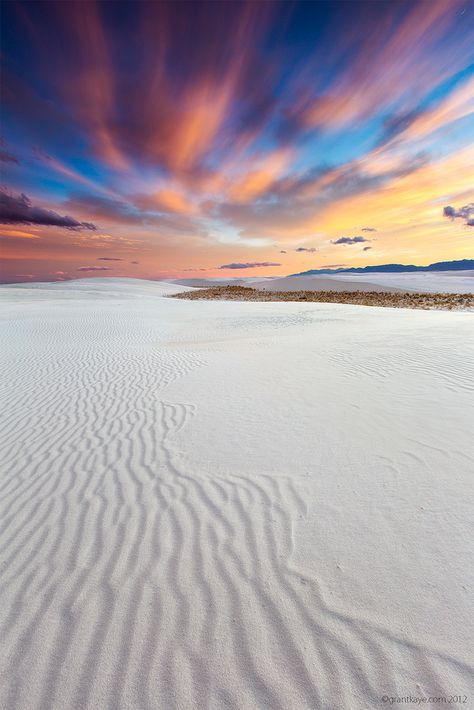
(378, 299)
(232, 505)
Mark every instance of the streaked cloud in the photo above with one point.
(248, 265)
(234, 130)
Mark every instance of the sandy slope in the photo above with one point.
(232, 505)
(423, 282)
(292, 283)
(319, 283)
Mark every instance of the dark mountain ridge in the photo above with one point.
(460, 265)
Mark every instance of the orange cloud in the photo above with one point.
(17, 233)
(456, 106)
(167, 201)
(257, 181)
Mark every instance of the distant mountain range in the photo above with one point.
(461, 265)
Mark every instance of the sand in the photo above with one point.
(398, 299)
(319, 283)
(232, 505)
(421, 282)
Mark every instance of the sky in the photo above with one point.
(217, 139)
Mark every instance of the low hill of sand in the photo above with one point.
(319, 283)
(420, 282)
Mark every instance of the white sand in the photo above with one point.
(232, 505)
(320, 283)
(422, 282)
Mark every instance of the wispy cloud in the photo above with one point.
(171, 141)
(5, 155)
(248, 265)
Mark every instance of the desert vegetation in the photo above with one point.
(424, 301)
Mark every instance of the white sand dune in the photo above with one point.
(423, 282)
(292, 283)
(232, 505)
(320, 283)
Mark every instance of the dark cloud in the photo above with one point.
(310, 250)
(248, 265)
(134, 262)
(368, 229)
(333, 266)
(350, 240)
(108, 258)
(282, 251)
(93, 268)
(366, 248)
(466, 213)
(17, 209)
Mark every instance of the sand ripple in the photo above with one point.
(130, 580)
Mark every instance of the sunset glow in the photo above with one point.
(167, 140)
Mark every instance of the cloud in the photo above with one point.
(184, 139)
(5, 156)
(93, 268)
(134, 213)
(108, 258)
(310, 250)
(396, 125)
(333, 266)
(248, 265)
(366, 248)
(350, 240)
(466, 213)
(134, 262)
(297, 202)
(17, 209)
